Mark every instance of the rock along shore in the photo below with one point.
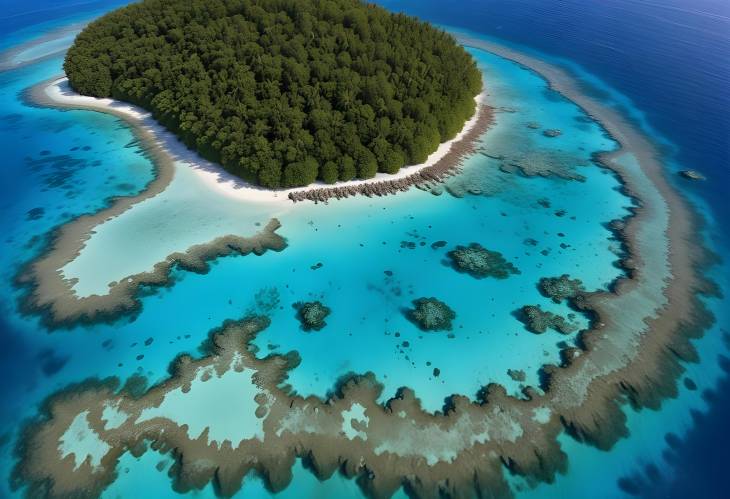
(429, 175)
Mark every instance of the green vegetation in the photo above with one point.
(283, 92)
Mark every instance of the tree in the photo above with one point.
(283, 92)
(347, 168)
(393, 161)
(300, 173)
(367, 165)
(329, 173)
(92, 77)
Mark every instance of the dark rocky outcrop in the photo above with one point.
(692, 175)
(517, 375)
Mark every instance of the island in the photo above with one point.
(283, 94)
(638, 335)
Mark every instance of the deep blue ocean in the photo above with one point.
(670, 58)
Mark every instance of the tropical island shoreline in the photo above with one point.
(51, 294)
(439, 165)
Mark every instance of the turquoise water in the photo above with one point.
(63, 164)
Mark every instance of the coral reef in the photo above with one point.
(431, 314)
(560, 288)
(480, 262)
(539, 321)
(312, 314)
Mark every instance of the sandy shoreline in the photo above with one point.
(59, 94)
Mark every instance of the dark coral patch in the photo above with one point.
(312, 315)
(35, 213)
(430, 314)
(480, 262)
(539, 321)
(560, 288)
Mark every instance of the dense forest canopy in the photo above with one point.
(283, 92)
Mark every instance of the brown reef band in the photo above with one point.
(51, 295)
(651, 375)
(445, 167)
(293, 427)
(615, 364)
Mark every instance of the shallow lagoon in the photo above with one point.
(377, 256)
(367, 304)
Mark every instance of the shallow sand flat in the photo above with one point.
(187, 213)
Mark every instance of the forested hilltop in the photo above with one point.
(283, 92)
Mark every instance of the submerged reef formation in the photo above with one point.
(517, 375)
(529, 162)
(541, 162)
(52, 295)
(430, 314)
(480, 262)
(560, 288)
(38, 49)
(539, 321)
(312, 315)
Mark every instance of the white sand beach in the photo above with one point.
(212, 175)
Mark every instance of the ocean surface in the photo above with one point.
(667, 65)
